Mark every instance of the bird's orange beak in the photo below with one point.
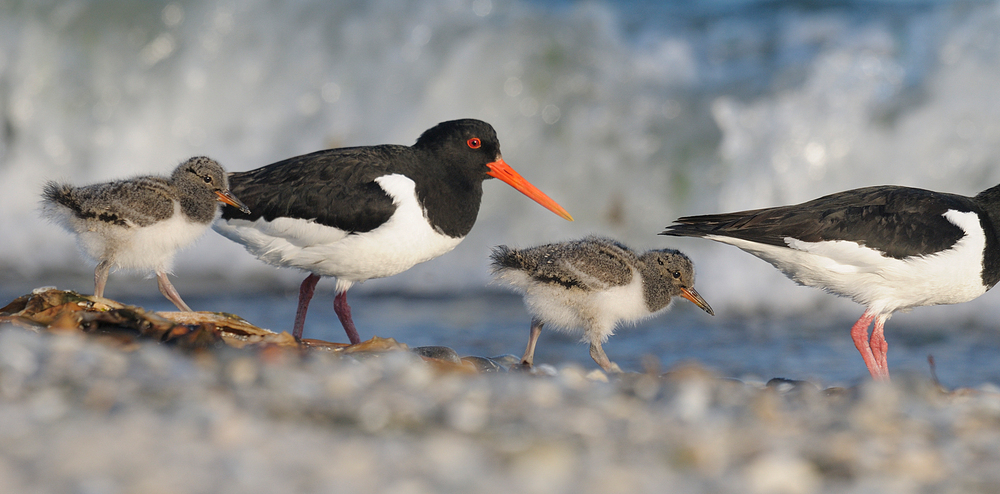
(693, 295)
(500, 169)
(228, 198)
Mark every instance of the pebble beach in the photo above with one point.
(82, 413)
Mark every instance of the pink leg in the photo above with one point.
(880, 347)
(344, 313)
(305, 295)
(859, 333)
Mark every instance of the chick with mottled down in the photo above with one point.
(141, 222)
(593, 284)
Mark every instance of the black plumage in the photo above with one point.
(368, 212)
(930, 249)
(337, 188)
(897, 221)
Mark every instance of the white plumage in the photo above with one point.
(405, 240)
(883, 284)
(150, 248)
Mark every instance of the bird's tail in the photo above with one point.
(504, 257)
(59, 194)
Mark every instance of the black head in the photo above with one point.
(469, 148)
(467, 140)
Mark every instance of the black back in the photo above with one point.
(336, 187)
(897, 221)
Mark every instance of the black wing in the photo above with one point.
(897, 221)
(334, 187)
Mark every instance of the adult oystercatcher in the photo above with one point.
(140, 223)
(593, 284)
(368, 212)
(885, 247)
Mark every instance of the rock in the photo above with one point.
(438, 352)
(507, 360)
(484, 364)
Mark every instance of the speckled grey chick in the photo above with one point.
(141, 222)
(593, 284)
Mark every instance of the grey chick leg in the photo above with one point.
(101, 277)
(170, 292)
(529, 353)
(597, 353)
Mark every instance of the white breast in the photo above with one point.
(395, 246)
(884, 284)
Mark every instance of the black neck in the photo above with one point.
(989, 201)
(451, 198)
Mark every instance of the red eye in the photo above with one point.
(474, 143)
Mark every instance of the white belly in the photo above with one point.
(403, 241)
(130, 247)
(596, 312)
(882, 283)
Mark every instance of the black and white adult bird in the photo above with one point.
(367, 212)
(592, 285)
(885, 247)
(141, 222)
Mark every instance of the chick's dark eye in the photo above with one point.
(208, 180)
(474, 143)
(677, 274)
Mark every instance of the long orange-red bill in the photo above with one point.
(500, 169)
(693, 295)
(228, 198)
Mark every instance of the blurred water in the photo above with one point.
(628, 114)
(755, 347)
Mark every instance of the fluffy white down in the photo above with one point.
(594, 312)
(881, 283)
(130, 247)
(403, 241)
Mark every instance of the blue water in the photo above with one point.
(629, 114)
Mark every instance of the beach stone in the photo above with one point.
(545, 370)
(507, 360)
(484, 364)
(784, 385)
(444, 353)
(779, 473)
